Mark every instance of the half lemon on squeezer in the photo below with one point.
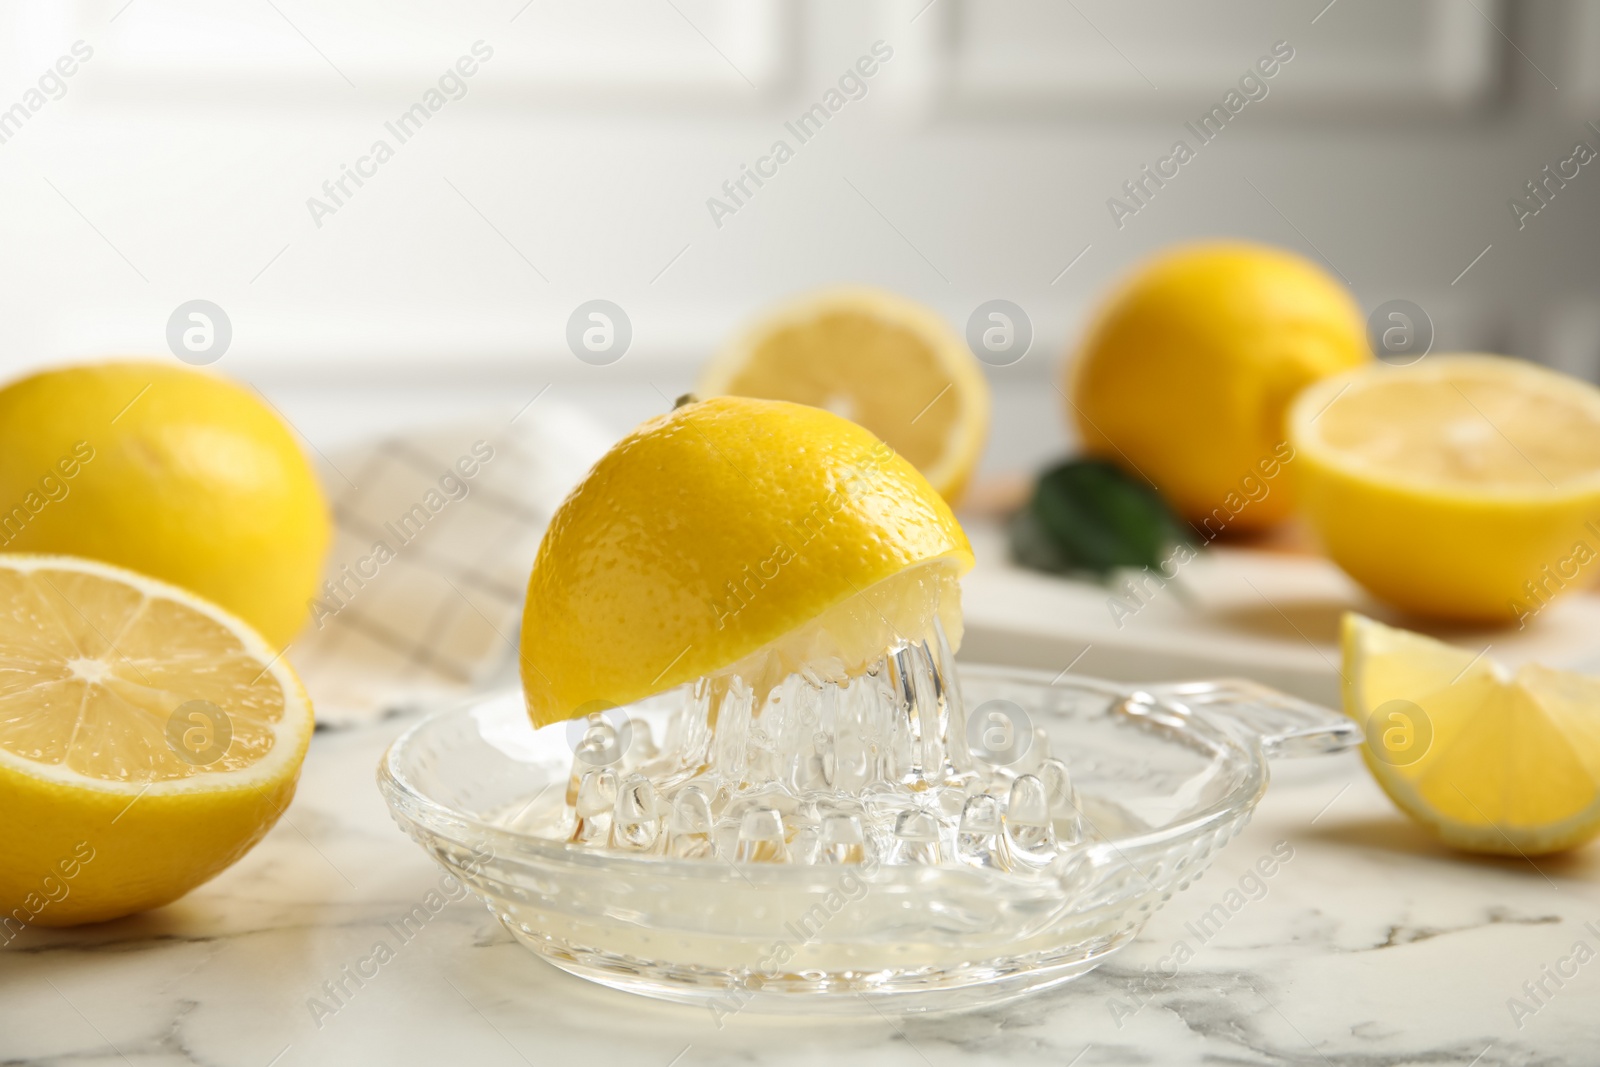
(732, 534)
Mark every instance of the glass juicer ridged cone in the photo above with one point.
(902, 836)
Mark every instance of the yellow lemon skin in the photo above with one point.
(76, 855)
(176, 473)
(1189, 368)
(1445, 549)
(708, 533)
(1450, 558)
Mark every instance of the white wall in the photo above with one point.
(578, 164)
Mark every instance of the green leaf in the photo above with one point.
(1086, 515)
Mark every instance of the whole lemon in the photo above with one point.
(1190, 366)
(170, 472)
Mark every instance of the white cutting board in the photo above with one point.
(1271, 616)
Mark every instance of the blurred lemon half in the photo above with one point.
(733, 533)
(1465, 486)
(1190, 366)
(147, 740)
(1487, 761)
(878, 359)
(173, 472)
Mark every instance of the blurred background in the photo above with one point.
(179, 159)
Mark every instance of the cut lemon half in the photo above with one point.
(878, 359)
(147, 740)
(756, 536)
(1488, 762)
(1464, 486)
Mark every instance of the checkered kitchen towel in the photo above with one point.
(436, 533)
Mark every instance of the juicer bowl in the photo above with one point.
(1165, 776)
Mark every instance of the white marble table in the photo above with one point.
(1370, 946)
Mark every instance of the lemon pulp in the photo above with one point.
(877, 359)
(99, 657)
(1469, 424)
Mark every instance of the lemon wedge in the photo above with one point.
(147, 740)
(1489, 762)
(878, 359)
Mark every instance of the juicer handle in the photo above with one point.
(1287, 726)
